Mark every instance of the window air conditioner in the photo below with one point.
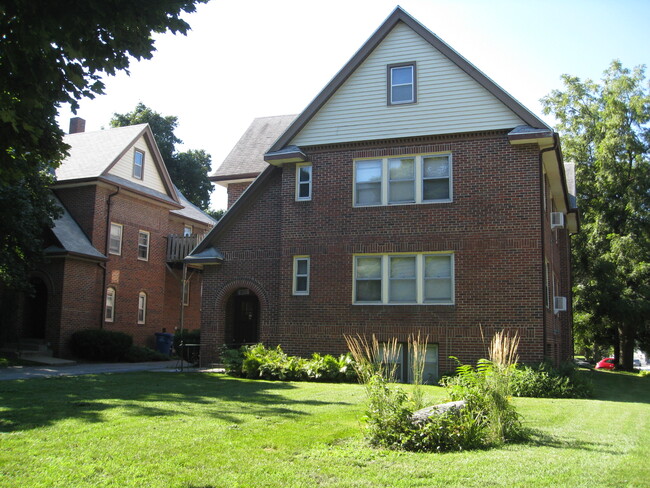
(557, 220)
(559, 304)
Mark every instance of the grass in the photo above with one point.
(197, 430)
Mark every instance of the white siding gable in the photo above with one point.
(448, 99)
(151, 177)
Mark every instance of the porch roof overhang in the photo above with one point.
(289, 154)
(210, 256)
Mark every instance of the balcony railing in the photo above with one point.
(178, 247)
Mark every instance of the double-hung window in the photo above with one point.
(109, 310)
(143, 245)
(138, 164)
(303, 182)
(301, 275)
(403, 180)
(422, 278)
(115, 239)
(402, 86)
(142, 307)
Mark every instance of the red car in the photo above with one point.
(606, 363)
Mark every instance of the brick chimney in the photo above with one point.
(77, 124)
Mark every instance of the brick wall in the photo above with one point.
(235, 190)
(493, 227)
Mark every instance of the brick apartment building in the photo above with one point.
(412, 195)
(114, 257)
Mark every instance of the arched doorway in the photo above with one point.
(35, 311)
(242, 317)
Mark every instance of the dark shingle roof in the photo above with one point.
(71, 238)
(246, 160)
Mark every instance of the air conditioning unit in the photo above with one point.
(557, 220)
(559, 304)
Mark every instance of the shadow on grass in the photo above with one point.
(613, 386)
(542, 439)
(29, 404)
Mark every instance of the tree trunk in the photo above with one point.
(626, 341)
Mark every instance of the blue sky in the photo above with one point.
(251, 58)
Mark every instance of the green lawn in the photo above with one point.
(196, 430)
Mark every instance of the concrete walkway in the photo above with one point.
(27, 372)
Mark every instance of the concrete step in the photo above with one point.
(29, 346)
(48, 360)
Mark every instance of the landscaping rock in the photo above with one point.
(422, 415)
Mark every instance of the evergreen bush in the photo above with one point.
(101, 345)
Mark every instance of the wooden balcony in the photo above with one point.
(178, 247)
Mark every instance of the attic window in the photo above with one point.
(138, 164)
(401, 84)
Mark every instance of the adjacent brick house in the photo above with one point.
(115, 255)
(412, 195)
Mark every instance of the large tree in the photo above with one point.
(54, 53)
(606, 133)
(188, 170)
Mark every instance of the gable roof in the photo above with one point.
(93, 154)
(246, 159)
(400, 16)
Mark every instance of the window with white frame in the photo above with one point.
(303, 181)
(400, 359)
(138, 164)
(402, 84)
(186, 292)
(547, 287)
(301, 275)
(115, 239)
(402, 180)
(109, 309)
(143, 245)
(142, 307)
(187, 230)
(420, 278)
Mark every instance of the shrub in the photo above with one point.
(4, 363)
(232, 360)
(486, 419)
(139, 354)
(388, 416)
(259, 362)
(457, 429)
(544, 381)
(101, 345)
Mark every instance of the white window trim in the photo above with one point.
(419, 180)
(296, 259)
(419, 276)
(144, 232)
(188, 227)
(110, 292)
(135, 153)
(413, 84)
(142, 308)
(119, 250)
(298, 182)
(185, 290)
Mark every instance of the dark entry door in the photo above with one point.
(35, 313)
(246, 319)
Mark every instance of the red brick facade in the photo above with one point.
(496, 228)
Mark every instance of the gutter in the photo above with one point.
(105, 265)
(554, 147)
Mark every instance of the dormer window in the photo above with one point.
(138, 164)
(401, 84)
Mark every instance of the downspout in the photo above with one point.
(105, 266)
(543, 226)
